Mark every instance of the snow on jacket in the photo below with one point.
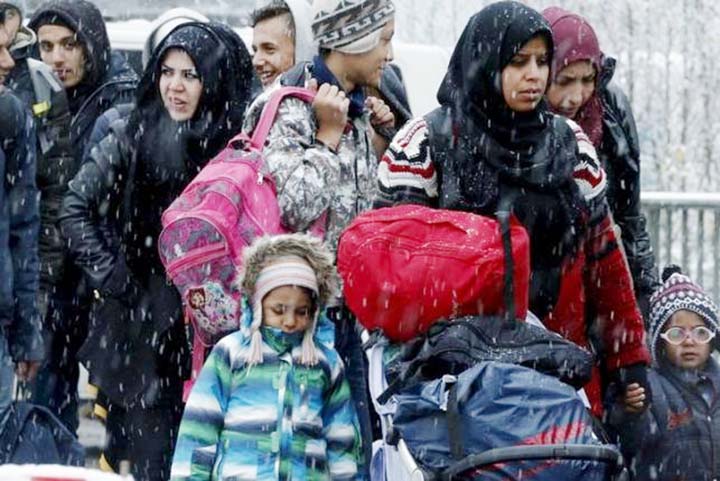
(19, 224)
(277, 420)
(678, 437)
(112, 211)
(619, 154)
(135, 337)
(310, 178)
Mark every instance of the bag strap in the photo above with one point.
(17, 415)
(439, 145)
(412, 370)
(269, 112)
(503, 215)
(454, 423)
(440, 149)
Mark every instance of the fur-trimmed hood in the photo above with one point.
(267, 249)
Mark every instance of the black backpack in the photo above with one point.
(451, 347)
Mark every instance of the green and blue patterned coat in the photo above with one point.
(279, 420)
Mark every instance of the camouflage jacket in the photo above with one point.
(310, 178)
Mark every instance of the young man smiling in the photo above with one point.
(282, 37)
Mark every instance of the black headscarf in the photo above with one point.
(167, 147)
(502, 159)
(87, 22)
(473, 83)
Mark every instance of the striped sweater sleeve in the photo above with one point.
(406, 173)
(203, 418)
(341, 430)
(609, 281)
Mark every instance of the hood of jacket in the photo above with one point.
(85, 19)
(301, 11)
(23, 43)
(305, 46)
(24, 39)
(164, 24)
(268, 249)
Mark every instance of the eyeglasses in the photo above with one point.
(677, 335)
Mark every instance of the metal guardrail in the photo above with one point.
(685, 229)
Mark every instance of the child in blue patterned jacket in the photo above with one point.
(272, 401)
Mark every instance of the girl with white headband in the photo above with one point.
(272, 401)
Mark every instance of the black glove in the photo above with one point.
(636, 374)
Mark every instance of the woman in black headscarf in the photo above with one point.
(494, 147)
(189, 103)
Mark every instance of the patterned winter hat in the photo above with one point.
(677, 293)
(350, 26)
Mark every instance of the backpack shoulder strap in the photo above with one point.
(269, 112)
(50, 108)
(256, 139)
(49, 92)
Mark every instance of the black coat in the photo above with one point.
(136, 346)
(19, 223)
(619, 154)
(135, 338)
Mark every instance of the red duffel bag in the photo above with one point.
(406, 267)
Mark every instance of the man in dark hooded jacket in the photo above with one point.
(73, 42)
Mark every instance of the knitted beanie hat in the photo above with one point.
(677, 293)
(350, 26)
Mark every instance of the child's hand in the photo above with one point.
(380, 113)
(634, 398)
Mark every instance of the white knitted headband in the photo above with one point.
(286, 271)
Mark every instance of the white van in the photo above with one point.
(423, 66)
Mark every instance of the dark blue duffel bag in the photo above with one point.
(33, 435)
(455, 426)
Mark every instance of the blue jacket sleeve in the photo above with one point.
(342, 431)
(24, 224)
(203, 419)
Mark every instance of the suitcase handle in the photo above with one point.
(601, 453)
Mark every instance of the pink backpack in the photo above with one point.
(230, 203)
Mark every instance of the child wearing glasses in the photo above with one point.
(678, 436)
